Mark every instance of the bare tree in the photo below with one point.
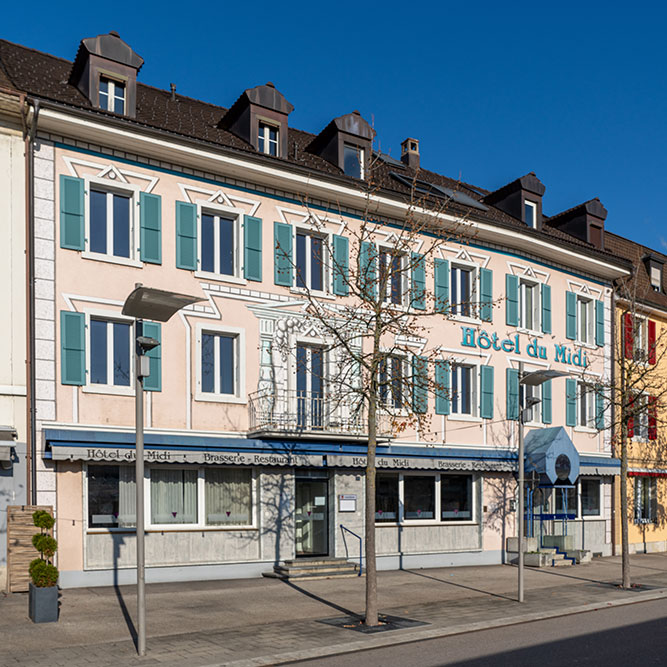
(380, 332)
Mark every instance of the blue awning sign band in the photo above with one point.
(418, 463)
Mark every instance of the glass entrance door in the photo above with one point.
(312, 517)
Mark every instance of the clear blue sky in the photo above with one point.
(574, 91)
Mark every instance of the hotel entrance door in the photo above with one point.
(311, 517)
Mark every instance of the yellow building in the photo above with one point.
(641, 373)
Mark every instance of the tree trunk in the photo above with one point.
(371, 572)
(625, 548)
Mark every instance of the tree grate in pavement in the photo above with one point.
(387, 622)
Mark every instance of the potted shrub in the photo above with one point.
(43, 592)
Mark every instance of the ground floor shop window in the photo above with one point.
(565, 501)
(646, 499)
(436, 497)
(590, 497)
(581, 500)
(179, 497)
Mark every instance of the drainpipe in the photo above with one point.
(30, 303)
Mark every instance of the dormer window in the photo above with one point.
(267, 139)
(656, 277)
(654, 265)
(112, 95)
(353, 161)
(530, 213)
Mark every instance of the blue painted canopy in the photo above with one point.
(550, 452)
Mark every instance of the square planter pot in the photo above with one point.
(43, 604)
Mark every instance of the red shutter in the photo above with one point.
(651, 341)
(652, 418)
(631, 419)
(628, 336)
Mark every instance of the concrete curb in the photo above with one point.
(408, 636)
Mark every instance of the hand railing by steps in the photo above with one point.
(344, 530)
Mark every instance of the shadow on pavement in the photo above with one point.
(117, 542)
(458, 585)
(333, 605)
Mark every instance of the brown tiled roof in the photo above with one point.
(638, 287)
(47, 77)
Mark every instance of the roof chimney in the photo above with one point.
(410, 153)
(172, 86)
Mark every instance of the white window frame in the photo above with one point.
(586, 392)
(536, 410)
(640, 420)
(640, 339)
(89, 387)
(111, 95)
(533, 206)
(239, 358)
(655, 277)
(236, 214)
(524, 284)
(590, 316)
(361, 155)
(263, 127)
(126, 189)
(476, 389)
(325, 236)
(437, 520)
(405, 370)
(475, 309)
(404, 275)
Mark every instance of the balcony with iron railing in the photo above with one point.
(311, 414)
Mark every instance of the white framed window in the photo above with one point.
(311, 383)
(646, 499)
(529, 305)
(533, 414)
(640, 418)
(311, 260)
(112, 222)
(426, 498)
(393, 276)
(463, 293)
(110, 353)
(179, 497)
(530, 213)
(220, 364)
(464, 389)
(640, 339)
(585, 320)
(112, 95)
(656, 277)
(586, 415)
(353, 161)
(268, 138)
(220, 243)
(392, 374)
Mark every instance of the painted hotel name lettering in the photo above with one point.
(471, 337)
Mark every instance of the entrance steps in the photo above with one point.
(314, 568)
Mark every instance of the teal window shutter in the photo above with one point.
(282, 254)
(570, 402)
(186, 236)
(418, 282)
(154, 381)
(546, 402)
(599, 408)
(570, 315)
(512, 300)
(442, 387)
(71, 212)
(341, 267)
(486, 295)
(441, 291)
(512, 377)
(599, 322)
(252, 250)
(546, 308)
(150, 207)
(419, 384)
(368, 270)
(486, 403)
(72, 348)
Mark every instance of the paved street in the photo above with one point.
(263, 622)
(628, 635)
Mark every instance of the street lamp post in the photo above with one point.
(157, 305)
(534, 378)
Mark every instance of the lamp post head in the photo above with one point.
(156, 304)
(535, 378)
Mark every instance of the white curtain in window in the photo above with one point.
(228, 497)
(173, 496)
(127, 497)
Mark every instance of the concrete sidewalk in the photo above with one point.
(265, 622)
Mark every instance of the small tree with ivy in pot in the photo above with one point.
(43, 602)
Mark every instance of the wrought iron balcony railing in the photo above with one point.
(298, 412)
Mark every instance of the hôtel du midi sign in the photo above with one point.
(482, 340)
